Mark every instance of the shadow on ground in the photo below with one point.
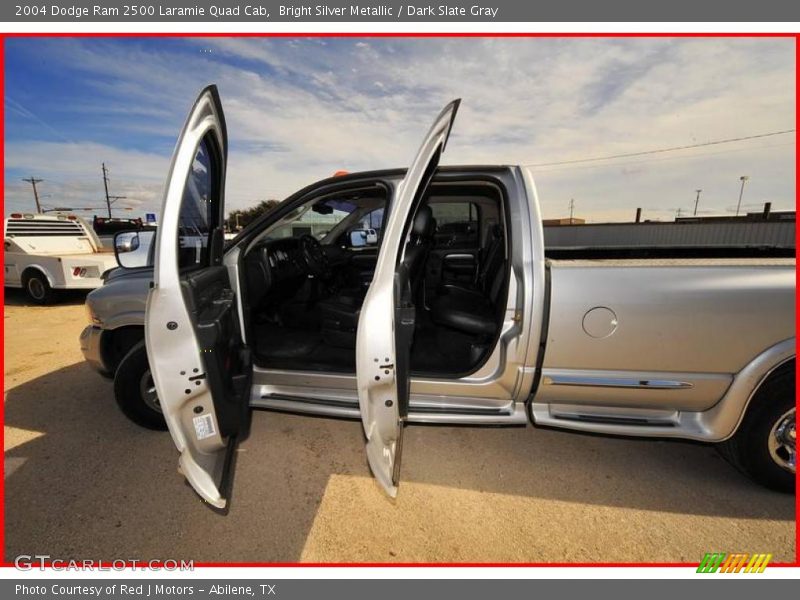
(17, 297)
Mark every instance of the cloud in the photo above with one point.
(300, 108)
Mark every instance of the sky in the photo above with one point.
(299, 109)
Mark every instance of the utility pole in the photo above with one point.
(105, 185)
(109, 199)
(743, 179)
(33, 181)
(571, 209)
(678, 213)
(697, 201)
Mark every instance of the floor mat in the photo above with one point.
(299, 349)
(435, 351)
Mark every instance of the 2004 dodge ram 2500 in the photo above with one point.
(425, 295)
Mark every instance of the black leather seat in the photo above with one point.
(466, 311)
(340, 316)
(475, 309)
(491, 259)
(340, 313)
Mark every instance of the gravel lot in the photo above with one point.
(83, 482)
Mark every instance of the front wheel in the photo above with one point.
(765, 446)
(135, 391)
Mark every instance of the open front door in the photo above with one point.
(199, 362)
(386, 325)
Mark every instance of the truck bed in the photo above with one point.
(651, 311)
(103, 252)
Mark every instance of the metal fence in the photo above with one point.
(667, 235)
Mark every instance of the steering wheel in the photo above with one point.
(314, 256)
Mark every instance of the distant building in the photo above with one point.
(758, 229)
(566, 221)
(785, 216)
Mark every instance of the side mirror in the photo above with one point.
(132, 248)
(126, 241)
(363, 237)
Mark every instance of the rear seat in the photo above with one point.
(474, 309)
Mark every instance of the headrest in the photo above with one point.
(423, 222)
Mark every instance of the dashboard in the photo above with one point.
(278, 267)
(273, 262)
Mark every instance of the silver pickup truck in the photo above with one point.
(426, 295)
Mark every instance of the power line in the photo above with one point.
(653, 159)
(662, 150)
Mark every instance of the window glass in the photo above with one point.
(197, 214)
(316, 220)
(457, 224)
(322, 217)
(373, 220)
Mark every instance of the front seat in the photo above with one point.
(340, 313)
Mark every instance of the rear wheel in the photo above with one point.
(37, 288)
(765, 446)
(135, 391)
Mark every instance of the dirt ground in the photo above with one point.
(81, 481)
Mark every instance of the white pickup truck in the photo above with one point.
(44, 253)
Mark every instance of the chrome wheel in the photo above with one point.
(36, 288)
(147, 388)
(783, 441)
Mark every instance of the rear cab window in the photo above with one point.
(457, 224)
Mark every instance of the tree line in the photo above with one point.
(239, 219)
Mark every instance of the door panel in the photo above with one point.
(455, 256)
(199, 363)
(385, 328)
(459, 267)
(450, 266)
(212, 307)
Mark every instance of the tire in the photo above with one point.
(131, 382)
(750, 449)
(37, 287)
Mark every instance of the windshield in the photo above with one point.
(319, 218)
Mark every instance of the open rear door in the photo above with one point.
(199, 363)
(386, 325)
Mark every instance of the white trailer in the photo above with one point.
(51, 252)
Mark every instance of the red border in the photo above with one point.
(352, 34)
(3, 296)
(99, 564)
(797, 304)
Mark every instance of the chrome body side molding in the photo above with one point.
(615, 382)
(715, 424)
